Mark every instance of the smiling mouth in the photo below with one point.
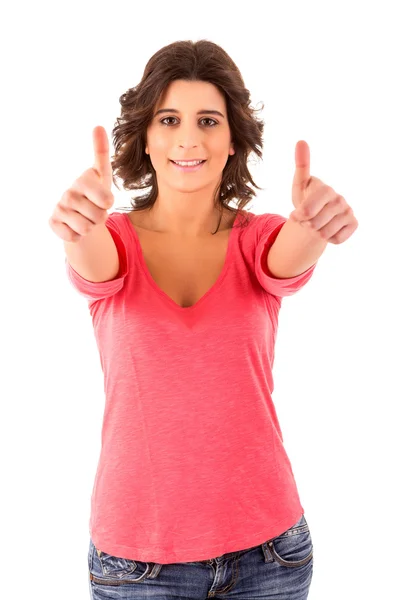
(188, 168)
(185, 165)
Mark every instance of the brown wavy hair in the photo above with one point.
(190, 61)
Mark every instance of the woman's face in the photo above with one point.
(182, 133)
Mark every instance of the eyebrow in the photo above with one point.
(200, 112)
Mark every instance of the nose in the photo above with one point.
(188, 136)
(187, 144)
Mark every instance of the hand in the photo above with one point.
(317, 205)
(85, 203)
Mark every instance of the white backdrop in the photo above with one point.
(327, 73)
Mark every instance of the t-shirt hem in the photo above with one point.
(194, 555)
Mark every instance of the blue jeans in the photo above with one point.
(279, 569)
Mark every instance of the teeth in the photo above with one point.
(187, 164)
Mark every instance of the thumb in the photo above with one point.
(302, 158)
(102, 162)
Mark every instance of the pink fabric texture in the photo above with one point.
(192, 462)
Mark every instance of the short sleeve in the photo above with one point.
(104, 289)
(271, 226)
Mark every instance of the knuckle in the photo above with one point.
(108, 197)
(339, 201)
(69, 196)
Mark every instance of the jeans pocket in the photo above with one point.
(294, 547)
(114, 567)
(107, 569)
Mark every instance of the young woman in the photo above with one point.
(194, 495)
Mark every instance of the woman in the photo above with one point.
(194, 495)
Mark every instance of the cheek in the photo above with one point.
(219, 146)
(159, 145)
(157, 142)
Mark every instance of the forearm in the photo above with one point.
(295, 250)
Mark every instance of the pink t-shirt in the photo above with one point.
(192, 462)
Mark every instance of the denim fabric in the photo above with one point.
(279, 569)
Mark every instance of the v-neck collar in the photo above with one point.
(228, 257)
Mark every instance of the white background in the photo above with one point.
(327, 73)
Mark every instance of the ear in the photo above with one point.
(232, 149)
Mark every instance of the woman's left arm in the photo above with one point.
(321, 216)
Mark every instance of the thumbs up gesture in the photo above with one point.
(317, 205)
(85, 203)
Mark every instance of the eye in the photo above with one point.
(205, 119)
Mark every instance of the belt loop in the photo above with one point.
(267, 552)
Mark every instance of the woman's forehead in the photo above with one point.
(193, 95)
